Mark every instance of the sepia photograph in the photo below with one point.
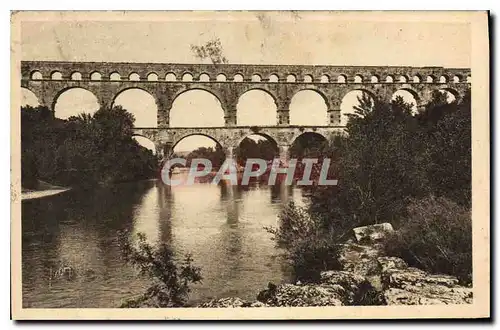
(250, 165)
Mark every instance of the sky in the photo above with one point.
(246, 37)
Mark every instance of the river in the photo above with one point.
(222, 227)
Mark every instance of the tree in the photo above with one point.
(411, 171)
(446, 132)
(262, 149)
(377, 172)
(215, 156)
(170, 280)
(211, 50)
(84, 150)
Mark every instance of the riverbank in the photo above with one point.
(33, 194)
(367, 277)
(44, 189)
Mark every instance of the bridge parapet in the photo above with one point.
(165, 82)
(248, 72)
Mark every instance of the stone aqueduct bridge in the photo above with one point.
(47, 80)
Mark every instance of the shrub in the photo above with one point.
(311, 256)
(170, 282)
(309, 248)
(294, 224)
(437, 237)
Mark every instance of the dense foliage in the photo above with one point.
(309, 145)
(250, 148)
(389, 161)
(436, 236)
(216, 155)
(308, 248)
(83, 150)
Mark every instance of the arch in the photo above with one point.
(153, 76)
(256, 145)
(238, 77)
(187, 77)
(309, 107)
(256, 106)
(412, 92)
(451, 94)
(430, 79)
(342, 79)
(307, 144)
(28, 98)
(273, 78)
(95, 75)
(204, 108)
(204, 77)
(256, 77)
(263, 134)
(291, 78)
(352, 100)
(76, 76)
(417, 79)
(358, 79)
(140, 103)
(221, 77)
(456, 79)
(170, 77)
(66, 105)
(389, 79)
(184, 137)
(36, 75)
(308, 78)
(56, 75)
(134, 76)
(409, 96)
(145, 142)
(443, 79)
(403, 79)
(115, 76)
(374, 79)
(324, 79)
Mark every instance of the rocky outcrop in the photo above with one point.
(367, 278)
(360, 259)
(231, 302)
(305, 295)
(336, 288)
(405, 285)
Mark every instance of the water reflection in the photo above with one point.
(222, 226)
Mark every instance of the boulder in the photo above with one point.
(291, 295)
(343, 278)
(335, 288)
(391, 263)
(360, 259)
(372, 233)
(427, 296)
(400, 278)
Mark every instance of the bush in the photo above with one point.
(170, 282)
(294, 224)
(436, 237)
(311, 256)
(309, 248)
